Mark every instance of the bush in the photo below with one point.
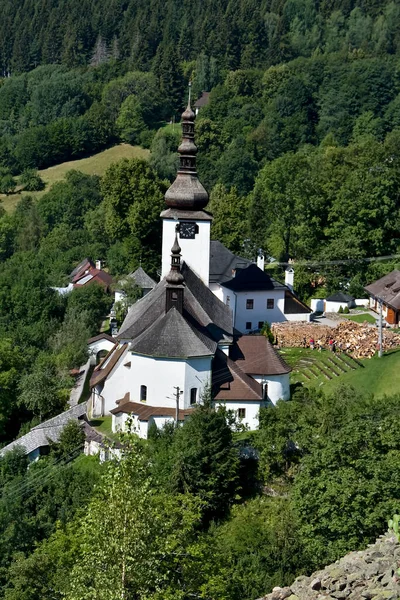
(7, 184)
(31, 180)
(346, 310)
(340, 309)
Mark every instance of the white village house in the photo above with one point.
(185, 334)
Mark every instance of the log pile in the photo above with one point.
(358, 339)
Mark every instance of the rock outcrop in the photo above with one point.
(371, 574)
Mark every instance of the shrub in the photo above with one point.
(31, 180)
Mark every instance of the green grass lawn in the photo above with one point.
(361, 318)
(378, 376)
(104, 426)
(92, 165)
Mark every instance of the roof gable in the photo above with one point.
(229, 382)
(340, 297)
(171, 336)
(223, 262)
(252, 278)
(255, 355)
(200, 307)
(387, 289)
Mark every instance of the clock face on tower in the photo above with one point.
(187, 230)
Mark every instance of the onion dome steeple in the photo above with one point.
(187, 193)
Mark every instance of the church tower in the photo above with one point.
(186, 200)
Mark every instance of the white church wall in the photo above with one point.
(278, 386)
(195, 252)
(259, 313)
(251, 407)
(197, 375)
(226, 296)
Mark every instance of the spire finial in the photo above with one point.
(175, 276)
(186, 192)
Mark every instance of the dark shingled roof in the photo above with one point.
(101, 336)
(255, 355)
(51, 429)
(141, 279)
(201, 308)
(252, 278)
(144, 412)
(103, 370)
(229, 382)
(387, 289)
(203, 100)
(340, 297)
(223, 262)
(294, 306)
(171, 336)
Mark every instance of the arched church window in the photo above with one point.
(143, 393)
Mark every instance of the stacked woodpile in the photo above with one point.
(359, 339)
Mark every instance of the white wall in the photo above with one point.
(361, 301)
(252, 409)
(161, 376)
(318, 304)
(299, 317)
(95, 347)
(278, 386)
(335, 306)
(196, 252)
(260, 312)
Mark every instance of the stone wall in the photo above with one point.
(370, 574)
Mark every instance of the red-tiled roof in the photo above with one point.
(255, 355)
(145, 412)
(229, 382)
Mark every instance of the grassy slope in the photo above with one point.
(361, 318)
(378, 376)
(93, 165)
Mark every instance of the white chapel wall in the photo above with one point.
(251, 407)
(278, 386)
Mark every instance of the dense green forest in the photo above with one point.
(188, 513)
(299, 148)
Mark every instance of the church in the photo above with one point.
(179, 340)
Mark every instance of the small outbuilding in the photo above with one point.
(339, 300)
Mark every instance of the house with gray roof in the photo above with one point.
(386, 290)
(179, 339)
(38, 440)
(253, 295)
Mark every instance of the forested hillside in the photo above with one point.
(242, 34)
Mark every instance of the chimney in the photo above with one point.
(98, 264)
(289, 278)
(260, 261)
